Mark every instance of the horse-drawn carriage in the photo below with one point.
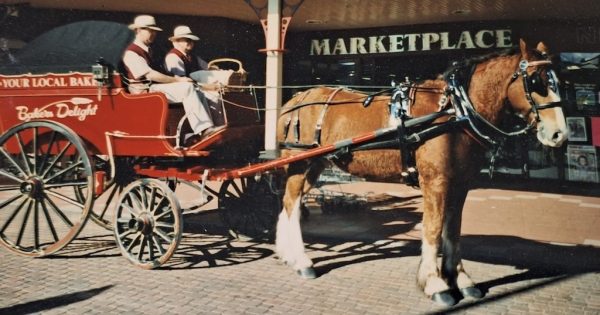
(70, 138)
(73, 137)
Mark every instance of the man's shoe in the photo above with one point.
(211, 131)
(191, 139)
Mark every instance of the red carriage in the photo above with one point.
(71, 137)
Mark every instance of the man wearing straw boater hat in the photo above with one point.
(143, 76)
(179, 61)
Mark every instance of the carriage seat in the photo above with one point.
(219, 75)
(212, 76)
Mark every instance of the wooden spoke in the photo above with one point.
(65, 198)
(34, 150)
(23, 154)
(58, 212)
(66, 184)
(14, 163)
(24, 224)
(36, 225)
(13, 215)
(163, 236)
(159, 247)
(47, 154)
(49, 221)
(10, 200)
(9, 188)
(56, 159)
(66, 170)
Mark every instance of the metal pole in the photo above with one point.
(273, 78)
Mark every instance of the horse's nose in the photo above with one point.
(552, 137)
(558, 137)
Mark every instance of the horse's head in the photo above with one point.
(533, 94)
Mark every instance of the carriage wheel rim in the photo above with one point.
(33, 182)
(148, 223)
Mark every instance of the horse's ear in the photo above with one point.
(523, 47)
(541, 47)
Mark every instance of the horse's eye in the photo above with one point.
(537, 84)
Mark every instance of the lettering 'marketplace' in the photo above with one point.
(399, 43)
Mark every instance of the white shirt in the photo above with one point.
(175, 66)
(136, 63)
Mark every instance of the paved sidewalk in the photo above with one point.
(531, 252)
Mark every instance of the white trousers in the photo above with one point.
(194, 103)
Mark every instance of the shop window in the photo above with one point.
(580, 73)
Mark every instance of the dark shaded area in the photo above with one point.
(98, 246)
(73, 47)
(52, 302)
(556, 186)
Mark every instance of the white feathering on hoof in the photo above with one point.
(289, 243)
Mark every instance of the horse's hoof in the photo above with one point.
(472, 292)
(307, 273)
(443, 298)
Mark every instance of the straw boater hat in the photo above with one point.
(183, 31)
(144, 21)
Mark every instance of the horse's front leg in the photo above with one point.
(288, 242)
(452, 267)
(429, 277)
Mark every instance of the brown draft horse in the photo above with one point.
(445, 163)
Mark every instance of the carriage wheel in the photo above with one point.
(40, 164)
(249, 207)
(103, 214)
(148, 223)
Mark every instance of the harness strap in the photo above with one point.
(286, 127)
(317, 138)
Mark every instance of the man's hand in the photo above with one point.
(210, 86)
(183, 79)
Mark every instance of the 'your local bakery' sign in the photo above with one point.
(414, 42)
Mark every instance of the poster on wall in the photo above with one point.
(577, 131)
(580, 60)
(585, 96)
(582, 163)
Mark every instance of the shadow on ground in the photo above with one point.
(52, 302)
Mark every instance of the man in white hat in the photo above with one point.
(138, 63)
(179, 61)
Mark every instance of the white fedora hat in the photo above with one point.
(144, 21)
(183, 31)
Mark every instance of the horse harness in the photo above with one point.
(455, 104)
(296, 121)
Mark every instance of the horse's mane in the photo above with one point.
(473, 61)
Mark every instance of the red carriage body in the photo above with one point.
(106, 115)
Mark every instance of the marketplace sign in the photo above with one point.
(400, 43)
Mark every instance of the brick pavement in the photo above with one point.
(366, 260)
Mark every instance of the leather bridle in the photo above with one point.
(532, 82)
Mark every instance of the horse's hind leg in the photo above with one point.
(289, 243)
(452, 267)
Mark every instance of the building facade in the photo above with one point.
(376, 57)
(372, 58)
